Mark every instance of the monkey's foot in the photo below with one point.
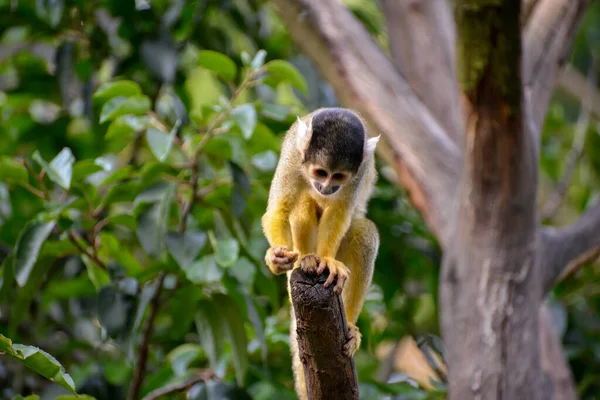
(280, 259)
(336, 268)
(309, 263)
(353, 340)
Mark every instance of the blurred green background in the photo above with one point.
(105, 105)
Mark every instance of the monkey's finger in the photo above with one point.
(322, 267)
(330, 279)
(292, 255)
(340, 284)
(280, 251)
(280, 260)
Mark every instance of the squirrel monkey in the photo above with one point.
(315, 217)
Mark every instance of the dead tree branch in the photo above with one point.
(321, 328)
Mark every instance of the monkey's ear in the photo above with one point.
(303, 134)
(371, 144)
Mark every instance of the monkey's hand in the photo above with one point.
(336, 268)
(353, 340)
(279, 259)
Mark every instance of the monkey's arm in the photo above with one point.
(276, 227)
(303, 221)
(334, 224)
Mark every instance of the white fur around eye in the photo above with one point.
(372, 144)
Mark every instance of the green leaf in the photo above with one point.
(161, 143)
(124, 126)
(243, 270)
(258, 60)
(30, 397)
(97, 275)
(115, 89)
(218, 63)
(12, 171)
(39, 361)
(182, 356)
(235, 333)
(28, 248)
(241, 188)
(244, 117)
(211, 330)
(284, 71)
(60, 169)
(226, 252)
(265, 161)
(116, 311)
(152, 224)
(204, 271)
(82, 169)
(118, 106)
(185, 247)
(220, 147)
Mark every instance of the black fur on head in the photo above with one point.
(337, 140)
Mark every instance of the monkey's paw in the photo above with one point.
(336, 268)
(279, 259)
(353, 340)
(309, 263)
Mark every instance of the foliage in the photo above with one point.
(138, 143)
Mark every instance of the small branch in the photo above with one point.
(75, 238)
(575, 84)
(202, 376)
(547, 39)
(568, 248)
(321, 327)
(140, 368)
(556, 199)
(427, 24)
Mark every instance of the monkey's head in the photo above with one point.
(333, 145)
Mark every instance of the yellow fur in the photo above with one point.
(300, 222)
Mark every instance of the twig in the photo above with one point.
(202, 376)
(140, 369)
(557, 197)
(75, 238)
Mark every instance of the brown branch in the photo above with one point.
(414, 26)
(547, 40)
(74, 237)
(366, 80)
(321, 327)
(576, 150)
(575, 84)
(142, 360)
(202, 376)
(565, 249)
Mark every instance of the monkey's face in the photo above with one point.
(325, 181)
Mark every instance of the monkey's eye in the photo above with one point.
(338, 176)
(321, 172)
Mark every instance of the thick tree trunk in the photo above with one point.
(321, 331)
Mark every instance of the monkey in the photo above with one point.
(315, 217)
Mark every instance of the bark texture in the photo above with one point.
(471, 169)
(321, 327)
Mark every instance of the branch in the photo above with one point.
(567, 248)
(202, 376)
(142, 360)
(576, 150)
(428, 24)
(547, 40)
(366, 80)
(321, 327)
(575, 84)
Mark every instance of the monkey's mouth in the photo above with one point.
(326, 191)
